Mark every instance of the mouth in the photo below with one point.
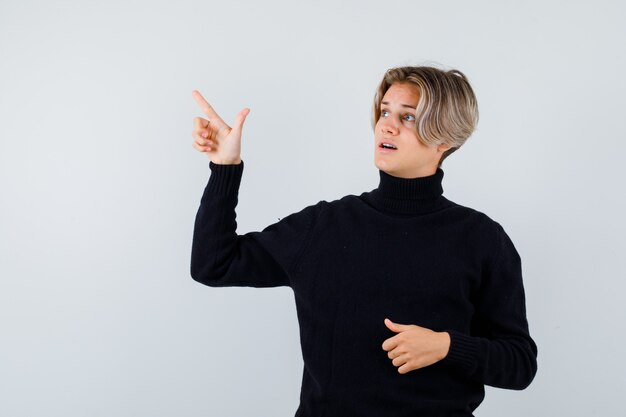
(387, 147)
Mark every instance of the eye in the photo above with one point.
(382, 112)
(410, 115)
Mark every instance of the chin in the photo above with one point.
(384, 166)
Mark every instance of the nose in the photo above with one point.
(388, 126)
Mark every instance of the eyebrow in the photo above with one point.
(403, 105)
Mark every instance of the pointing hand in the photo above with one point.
(214, 137)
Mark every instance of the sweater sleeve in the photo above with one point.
(499, 351)
(222, 258)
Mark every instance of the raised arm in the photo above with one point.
(219, 256)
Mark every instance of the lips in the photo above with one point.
(387, 144)
(386, 147)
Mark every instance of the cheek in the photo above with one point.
(411, 138)
(415, 148)
(417, 143)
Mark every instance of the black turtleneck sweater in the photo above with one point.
(401, 251)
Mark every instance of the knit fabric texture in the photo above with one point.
(402, 251)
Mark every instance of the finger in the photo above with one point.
(400, 360)
(241, 117)
(200, 123)
(205, 143)
(397, 327)
(200, 138)
(407, 367)
(202, 148)
(395, 353)
(390, 343)
(205, 106)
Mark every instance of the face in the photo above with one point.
(396, 125)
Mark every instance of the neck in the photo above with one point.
(407, 196)
(423, 172)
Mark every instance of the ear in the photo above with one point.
(443, 147)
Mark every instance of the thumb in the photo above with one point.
(396, 327)
(241, 117)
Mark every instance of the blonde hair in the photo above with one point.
(447, 110)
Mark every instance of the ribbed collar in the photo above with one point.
(407, 196)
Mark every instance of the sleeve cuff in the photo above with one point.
(225, 178)
(463, 351)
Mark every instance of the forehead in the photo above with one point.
(402, 92)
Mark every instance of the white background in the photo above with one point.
(99, 186)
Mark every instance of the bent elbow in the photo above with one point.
(532, 371)
(202, 274)
(527, 373)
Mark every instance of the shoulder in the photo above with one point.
(456, 212)
(325, 207)
(334, 210)
(338, 203)
(348, 204)
(488, 237)
(487, 228)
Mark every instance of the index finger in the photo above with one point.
(206, 107)
(390, 343)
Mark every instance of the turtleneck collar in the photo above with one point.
(407, 196)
